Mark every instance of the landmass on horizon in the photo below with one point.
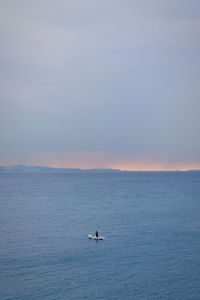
(27, 168)
(44, 169)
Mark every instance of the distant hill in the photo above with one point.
(42, 169)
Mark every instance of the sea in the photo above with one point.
(151, 224)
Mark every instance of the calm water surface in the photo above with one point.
(151, 222)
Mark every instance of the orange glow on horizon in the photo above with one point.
(90, 160)
(132, 166)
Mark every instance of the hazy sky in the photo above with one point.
(100, 83)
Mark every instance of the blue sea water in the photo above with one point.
(151, 221)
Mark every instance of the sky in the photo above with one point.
(100, 83)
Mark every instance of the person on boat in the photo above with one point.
(97, 234)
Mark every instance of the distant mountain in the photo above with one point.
(42, 169)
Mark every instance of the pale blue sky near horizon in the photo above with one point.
(107, 83)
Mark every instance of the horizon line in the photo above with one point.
(101, 168)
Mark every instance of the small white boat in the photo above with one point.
(96, 238)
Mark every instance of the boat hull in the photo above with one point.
(93, 237)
